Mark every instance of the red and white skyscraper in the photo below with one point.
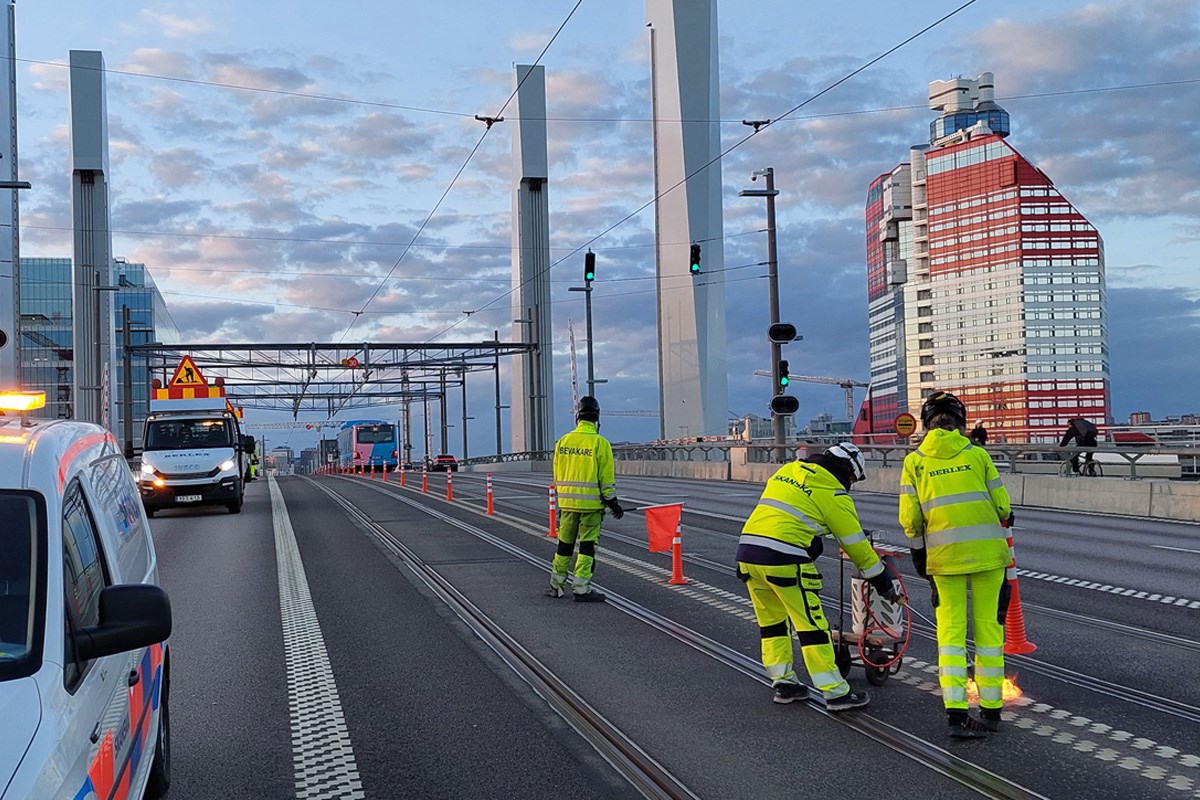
(982, 280)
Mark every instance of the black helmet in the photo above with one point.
(588, 409)
(942, 403)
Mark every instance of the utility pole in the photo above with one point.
(589, 274)
(127, 381)
(496, 371)
(770, 193)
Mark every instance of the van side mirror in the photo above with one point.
(131, 616)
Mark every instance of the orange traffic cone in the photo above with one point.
(1014, 621)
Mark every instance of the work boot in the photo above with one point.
(964, 726)
(990, 717)
(554, 591)
(847, 701)
(589, 597)
(787, 692)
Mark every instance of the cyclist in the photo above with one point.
(1083, 434)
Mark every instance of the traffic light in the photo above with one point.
(784, 404)
(784, 380)
(782, 333)
(694, 263)
(589, 267)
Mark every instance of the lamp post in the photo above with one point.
(587, 293)
(770, 193)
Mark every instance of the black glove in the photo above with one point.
(920, 561)
(615, 508)
(882, 583)
(1008, 523)
(815, 548)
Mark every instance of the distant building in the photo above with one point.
(983, 280)
(824, 425)
(1140, 418)
(47, 350)
(750, 427)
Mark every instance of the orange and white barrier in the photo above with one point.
(491, 509)
(424, 479)
(449, 486)
(553, 512)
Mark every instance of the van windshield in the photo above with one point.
(18, 583)
(188, 434)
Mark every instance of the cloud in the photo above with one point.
(174, 27)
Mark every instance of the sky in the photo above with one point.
(272, 163)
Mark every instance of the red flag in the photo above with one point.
(662, 525)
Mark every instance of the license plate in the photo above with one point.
(189, 498)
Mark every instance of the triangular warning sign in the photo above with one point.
(188, 374)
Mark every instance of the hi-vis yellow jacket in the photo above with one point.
(801, 502)
(952, 502)
(583, 469)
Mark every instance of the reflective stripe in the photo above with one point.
(605, 486)
(949, 651)
(919, 453)
(853, 538)
(989, 693)
(584, 484)
(968, 533)
(777, 671)
(995, 483)
(989, 672)
(951, 671)
(840, 493)
(772, 544)
(779, 505)
(916, 542)
(907, 489)
(573, 495)
(820, 679)
(954, 694)
(954, 499)
(988, 652)
(871, 572)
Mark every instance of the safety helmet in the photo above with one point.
(943, 403)
(588, 409)
(850, 458)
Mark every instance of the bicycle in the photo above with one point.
(1088, 469)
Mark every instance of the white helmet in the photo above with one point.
(853, 457)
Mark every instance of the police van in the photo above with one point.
(84, 658)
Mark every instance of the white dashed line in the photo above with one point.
(321, 752)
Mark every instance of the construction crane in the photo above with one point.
(845, 383)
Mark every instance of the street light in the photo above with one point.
(770, 193)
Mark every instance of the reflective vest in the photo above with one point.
(583, 469)
(952, 502)
(802, 501)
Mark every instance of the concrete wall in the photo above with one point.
(1163, 499)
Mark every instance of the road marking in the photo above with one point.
(1177, 549)
(321, 752)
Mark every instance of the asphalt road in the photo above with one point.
(310, 660)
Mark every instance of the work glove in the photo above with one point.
(883, 584)
(920, 561)
(1008, 523)
(815, 548)
(615, 507)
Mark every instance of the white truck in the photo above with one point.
(193, 456)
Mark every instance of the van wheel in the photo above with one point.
(150, 512)
(160, 769)
(235, 506)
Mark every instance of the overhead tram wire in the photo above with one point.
(497, 116)
(446, 112)
(729, 150)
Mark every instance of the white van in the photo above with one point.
(84, 659)
(193, 458)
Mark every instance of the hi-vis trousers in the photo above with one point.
(989, 602)
(784, 592)
(584, 526)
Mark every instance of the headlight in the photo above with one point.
(147, 469)
(227, 465)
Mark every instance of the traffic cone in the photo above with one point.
(1014, 621)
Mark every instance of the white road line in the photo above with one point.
(1177, 549)
(321, 750)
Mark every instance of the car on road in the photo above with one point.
(444, 462)
(84, 656)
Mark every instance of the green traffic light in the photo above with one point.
(784, 380)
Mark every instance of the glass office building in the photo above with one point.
(983, 280)
(47, 348)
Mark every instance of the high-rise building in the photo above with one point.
(982, 280)
(47, 351)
